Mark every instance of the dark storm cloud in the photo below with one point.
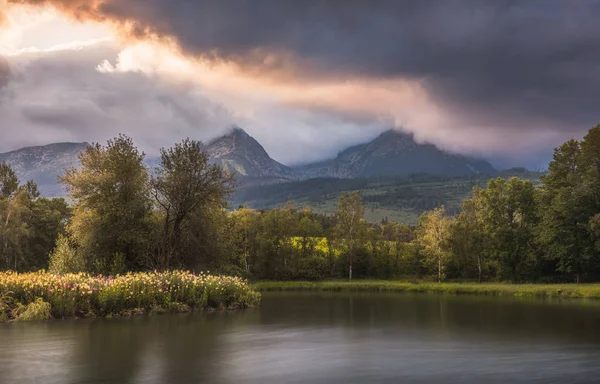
(512, 61)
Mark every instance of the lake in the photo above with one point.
(319, 338)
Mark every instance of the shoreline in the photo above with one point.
(567, 291)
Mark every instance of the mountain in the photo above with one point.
(394, 153)
(44, 164)
(241, 154)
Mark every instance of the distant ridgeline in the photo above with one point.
(401, 199)
(399, 177)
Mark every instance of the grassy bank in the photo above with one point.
(41, 295)
(591, 291)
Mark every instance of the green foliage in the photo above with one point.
(29, 225)
(7, 306)
(509, 220)
(572, 291)
(36, 310)
(112, 212)
(568, 205)
(8, 181)
(186, 186)
(47, 221)
(398, 199)
(350, 225)
(433, 239)
(65, 258)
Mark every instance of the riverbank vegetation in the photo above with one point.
(579, 291)
(40, 295)
(125, 216)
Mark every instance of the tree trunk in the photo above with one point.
(439, 269)
(479, 268)
(350, 271)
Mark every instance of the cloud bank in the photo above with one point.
(61, 96)
(500, 78)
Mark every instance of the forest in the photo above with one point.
(122, 216)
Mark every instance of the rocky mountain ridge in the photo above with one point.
(44, 164)
(392, 153)
(240, 153)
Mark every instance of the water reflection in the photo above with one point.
(318, 338)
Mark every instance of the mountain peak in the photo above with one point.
(396, 153)
(240, 153)
(237, 131)
(394, 133)
(236, 140)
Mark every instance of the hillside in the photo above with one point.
(398, 199)
(44, 164)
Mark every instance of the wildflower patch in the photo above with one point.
(83, 295)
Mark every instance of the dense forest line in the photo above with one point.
(126, 217)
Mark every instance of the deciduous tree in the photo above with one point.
(432, 237)
(350, 224)
(112, 212)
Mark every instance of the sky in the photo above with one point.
(504, 80)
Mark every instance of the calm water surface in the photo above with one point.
(319, 338)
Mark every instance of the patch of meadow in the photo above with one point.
(83, 295)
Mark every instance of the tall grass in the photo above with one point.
(37, 310)
(82, 295)
(591, 291)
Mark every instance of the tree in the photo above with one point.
(184, 182)
(275, 242)
(8, 181)
(112, 214)
(16, 203)
(469, 243)
(508, 214)
(350, 226)
(432, 237)
(569, 200)
(48, 219)
(29, 225)
(65, 258)
(244, 223)
(595, 227)
(14, 229)
(308, 229)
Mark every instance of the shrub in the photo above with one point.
(65, 258)
(37, 310)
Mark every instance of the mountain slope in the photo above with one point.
(402, 199)
(395, 153)
(241, 154)
(44, 164)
